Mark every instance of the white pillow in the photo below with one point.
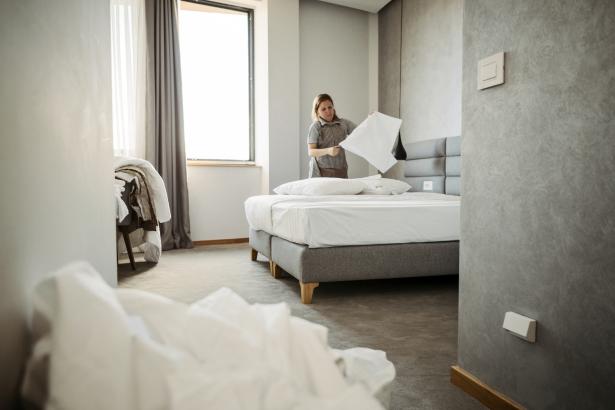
(384, 186)
(321, 186)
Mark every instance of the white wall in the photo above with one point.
(283, 91)
(216, 197)
(335, 59)
(55, 157)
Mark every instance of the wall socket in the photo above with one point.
(520, 326)
(427, 185)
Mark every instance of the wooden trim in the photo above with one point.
(210, 163)
(307, 291)
(482, 392)
(220, 241)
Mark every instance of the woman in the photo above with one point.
(327, 158)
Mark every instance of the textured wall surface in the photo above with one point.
(334, 58)
(431, 69)
(55, 157)
(537, 220)
(389, 54)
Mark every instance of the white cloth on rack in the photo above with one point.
(148, 242)
(121, 210)
(154, 181)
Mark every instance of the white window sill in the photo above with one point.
(210, 163)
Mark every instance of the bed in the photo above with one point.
(359, 237)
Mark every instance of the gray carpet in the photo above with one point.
(413, 320)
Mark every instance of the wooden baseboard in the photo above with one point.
(220, 241)
(481, 392)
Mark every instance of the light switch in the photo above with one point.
(491, 71)
(488, 71)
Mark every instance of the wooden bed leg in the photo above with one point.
(271, 266)
(307, 290)
(254, 254)
(276, 271)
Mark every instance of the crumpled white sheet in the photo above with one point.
(374, 139)
(127, 349)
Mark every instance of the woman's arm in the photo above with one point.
(314, 151)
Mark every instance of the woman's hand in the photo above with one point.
(333, 151)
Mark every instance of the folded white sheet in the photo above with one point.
(128, 349)
(373, 140)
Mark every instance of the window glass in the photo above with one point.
(215, 64)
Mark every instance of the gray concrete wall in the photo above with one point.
(537, 220)
(389, 54)
(55, 157)
(431, 69)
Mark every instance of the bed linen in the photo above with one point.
(147, 241)
(105, 348)
(345, 220)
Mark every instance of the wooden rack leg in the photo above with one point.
(254, 254)
(307, 290)
(276, 271)
(129, 249)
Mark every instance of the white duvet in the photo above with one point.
(126, 349)
(344, 220)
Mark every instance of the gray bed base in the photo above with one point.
(312, 266)
(438, 161)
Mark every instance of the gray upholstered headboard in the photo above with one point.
(435, 162)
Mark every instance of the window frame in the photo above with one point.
(250, 14)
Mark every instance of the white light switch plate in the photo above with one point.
(491, 71)
(427, 185)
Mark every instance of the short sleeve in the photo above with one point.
(314, 133)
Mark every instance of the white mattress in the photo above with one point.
(343, 220)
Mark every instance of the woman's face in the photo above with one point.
(326, 111)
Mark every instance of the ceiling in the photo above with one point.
(373, 6)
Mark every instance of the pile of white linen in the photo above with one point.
(126, 349)
(148, 242)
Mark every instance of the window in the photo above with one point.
(216, 46)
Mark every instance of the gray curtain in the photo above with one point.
(165, 128)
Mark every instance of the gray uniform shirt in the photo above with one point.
(325, 135)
